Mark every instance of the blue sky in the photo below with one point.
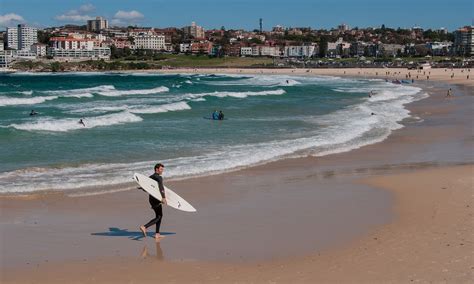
(451, 14)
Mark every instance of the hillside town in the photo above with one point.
(97, 41)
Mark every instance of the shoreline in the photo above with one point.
(376, 160)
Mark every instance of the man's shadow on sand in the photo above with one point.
(134, 235)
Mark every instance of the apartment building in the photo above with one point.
(21, 37)
(463, 41)
(194, 31)
(246, 51)
(39, 49)
(201, 47)
(155, 42)
(97, 25)
(67, 43)
(184, 47)
(12, 37)
(77, 48)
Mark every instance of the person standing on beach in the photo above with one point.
(156, 205)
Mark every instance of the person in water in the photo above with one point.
(221, 115)
(33, 112)
(215, 115)
(156, 205)
(82, 122)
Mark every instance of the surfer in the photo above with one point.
(215, 115)
(82, 122)
(156, 205)
(33, 112)
(221, 115)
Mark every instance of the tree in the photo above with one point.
(323, 46)
(255, 40)
(43, 37)
(421, 50)
(56, 66)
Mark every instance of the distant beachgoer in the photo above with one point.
(82, 122)
(156, 204)
(372, 113)
(221, 115)
(215, 115)
(413, 80)
(287, 81)
(371, 93)
(33, 112)
(449, 93)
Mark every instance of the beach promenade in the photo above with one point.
(420, 177)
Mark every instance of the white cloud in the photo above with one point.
(77, 15)
(10, 19)
(86, 8)
(73, 18)
(129, 16)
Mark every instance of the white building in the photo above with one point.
(97, 25)
(6, 57)
(75, 48)
(21, 37)
(68, 54)
(184, 47)
(255, 50)
(155, 42)
(269, 50)
(245, 51)
(67, 43)
(39, 49)
(299, 51)
(12, 37)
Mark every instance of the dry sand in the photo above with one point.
(426, 168)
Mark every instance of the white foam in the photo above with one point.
(27, 93)
(278, 80)
(68, 124)
(117, 93)
(161, 108)
(73, 92)
(8, 101)
(240, 95)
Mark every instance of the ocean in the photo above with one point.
(134, 120)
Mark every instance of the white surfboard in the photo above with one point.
(172, 199)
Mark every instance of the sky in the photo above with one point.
(245, 14)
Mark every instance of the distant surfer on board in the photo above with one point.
(156, 205)
(82, 122)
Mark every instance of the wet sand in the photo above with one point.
(393, 211)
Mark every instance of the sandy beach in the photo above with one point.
(398, 211)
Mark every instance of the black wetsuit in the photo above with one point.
(156, 204)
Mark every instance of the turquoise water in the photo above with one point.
(133, 121)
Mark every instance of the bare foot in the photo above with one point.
(158, 237)
(143, 229)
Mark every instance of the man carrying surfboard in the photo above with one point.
(156, 204)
